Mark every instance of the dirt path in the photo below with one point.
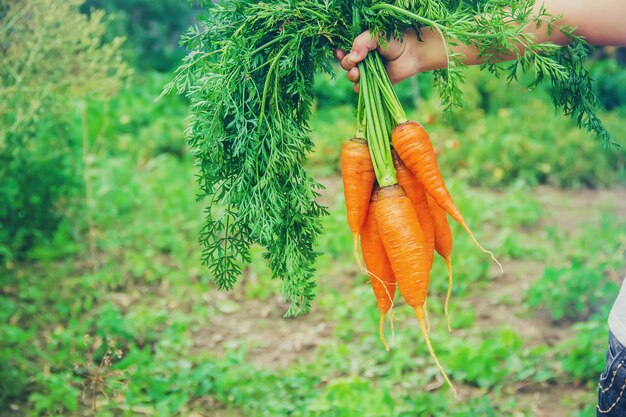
(273, 341)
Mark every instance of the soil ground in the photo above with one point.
(280, 342)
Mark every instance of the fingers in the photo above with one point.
(353, 75)
(351, 60)
(339, 54)
(361, 46)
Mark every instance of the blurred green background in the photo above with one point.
(105, 309)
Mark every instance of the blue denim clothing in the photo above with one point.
(612, 386)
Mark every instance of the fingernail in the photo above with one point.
(354, 55)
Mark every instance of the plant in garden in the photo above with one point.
(586, 287)
(249, 75)
(498, 356)
(52, 57)
(574, 292)
(151, 28)
(582, 356)
(99, 378)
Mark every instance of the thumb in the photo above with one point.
(362, 45)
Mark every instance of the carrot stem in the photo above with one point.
(419, 313)
(378, 138)
(360, 119)
(387, 92)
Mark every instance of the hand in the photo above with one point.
(402, 58)
(397, 56)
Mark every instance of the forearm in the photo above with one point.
(599, 23)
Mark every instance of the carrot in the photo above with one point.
(404, 242)
(443, 245)
(378, 266)
(415, 149)
(416, 193)
(358, 177)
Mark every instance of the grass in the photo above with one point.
(138, 328)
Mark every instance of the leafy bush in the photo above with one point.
(137, 124)
(35, 184)
(609, 82)
(152, 27)
(41, 85)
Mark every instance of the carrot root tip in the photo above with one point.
(493, 257)
(448, 261)
(426, 316)
(381, 329)
(496, 261)
(419, 313)
(356, 252)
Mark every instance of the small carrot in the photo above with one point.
(404, 243)
(378, 266)
(417, 194)
(443, 245)
(358, 177)
(415, 149)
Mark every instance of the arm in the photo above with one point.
(599, 22)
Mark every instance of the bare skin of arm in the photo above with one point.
(599, 22)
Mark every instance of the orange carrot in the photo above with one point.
(443, 245)
(378, 266)
(404, 243)
(415, 149)
(358, 177)
(416, 193)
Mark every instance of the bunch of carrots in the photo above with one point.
(397, 201)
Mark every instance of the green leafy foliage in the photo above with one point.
(587, 285)
(497, 357)
(573, 292)
(187, 350)
(609, 82)
(151, 27)
(35, 184)
(249, 135)
(41, 84)
(582, 357)
(574, 93)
